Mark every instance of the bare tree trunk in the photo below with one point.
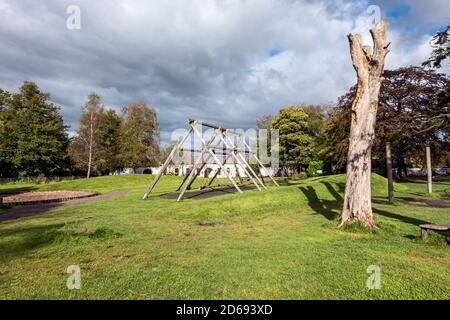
(91, 139)
(369, 66)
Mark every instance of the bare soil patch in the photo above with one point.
(30, 210)
(204, 194)
(28, 198)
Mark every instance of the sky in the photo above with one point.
(223, 61)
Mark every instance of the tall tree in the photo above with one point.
(296, 142)
(7, 141)
(441, 49)
(84, 148)
(33, 135)
(369, 65)
(109, 144)
(139, 136)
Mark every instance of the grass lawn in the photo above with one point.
(277, 244)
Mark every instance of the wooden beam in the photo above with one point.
(167, 162)
(236, 158)
(217, 160)
(261, 165)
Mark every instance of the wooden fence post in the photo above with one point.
(389, 172)
(429, 171)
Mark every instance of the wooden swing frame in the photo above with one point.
(218, 144)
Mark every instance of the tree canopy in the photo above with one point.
(33, 137)
(441, 49)
(296, 141)
(409, 98)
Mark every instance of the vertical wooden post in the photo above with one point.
(389, 172)
(429, 171)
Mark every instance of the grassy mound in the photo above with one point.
(278, 244)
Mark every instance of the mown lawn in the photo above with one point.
(277, 244)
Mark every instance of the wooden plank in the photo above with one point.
(435, 227)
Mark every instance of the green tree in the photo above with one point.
(33, 135)
(85, 148)
(296, 141)
(7, 141)
(109, 130)
(441, 49)
(139, 136)
(411, 104)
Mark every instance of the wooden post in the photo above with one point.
(389, 172)
(216, 159)
(245, 162)
(429, 171)
(166, 164)
(237, 160)
(261, 166)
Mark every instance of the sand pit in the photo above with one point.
(26, 198)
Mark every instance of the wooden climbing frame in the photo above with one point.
(219, 144)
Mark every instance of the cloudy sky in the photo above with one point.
(225, 61)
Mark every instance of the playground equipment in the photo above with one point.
(220, 144)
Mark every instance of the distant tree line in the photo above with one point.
(413, 112)
(34, 139)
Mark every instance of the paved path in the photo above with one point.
(31, 210)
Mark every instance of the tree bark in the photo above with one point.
(91, 139)
(369, 66)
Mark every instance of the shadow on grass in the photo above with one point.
(323, 207)
(327, 207)
(16, 190)
(26, 239)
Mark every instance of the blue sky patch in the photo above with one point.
(398, 11)
(274, 52)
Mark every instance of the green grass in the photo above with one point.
(277, 244)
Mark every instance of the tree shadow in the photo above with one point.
(26, 239)
(399, 217)
(333, 192)
(16, 190)
(327, 207)
(323, 207)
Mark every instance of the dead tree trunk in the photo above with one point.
(369, 66)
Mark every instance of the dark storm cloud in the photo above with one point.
(202, 59)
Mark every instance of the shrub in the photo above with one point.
(313, 167)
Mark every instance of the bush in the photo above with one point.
(313, 167)
(299, 175)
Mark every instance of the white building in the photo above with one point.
(207, 172)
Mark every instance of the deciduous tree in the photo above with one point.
(139, 136)
(296, 141)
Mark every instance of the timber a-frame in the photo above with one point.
(224, 143)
